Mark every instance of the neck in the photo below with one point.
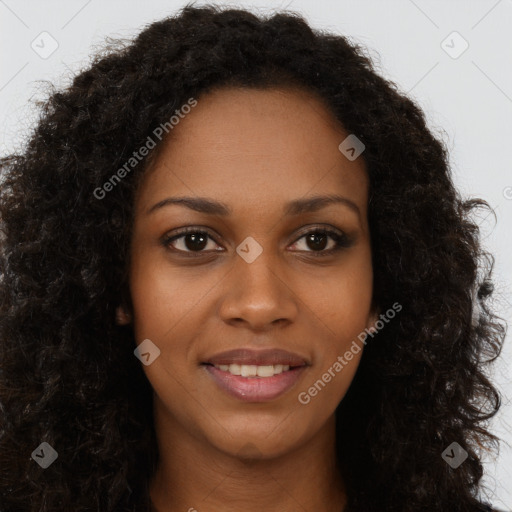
(193, 474)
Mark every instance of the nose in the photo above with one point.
(257, 294)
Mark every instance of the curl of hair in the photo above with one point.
(68, 375)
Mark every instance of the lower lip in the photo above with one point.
(255, 389)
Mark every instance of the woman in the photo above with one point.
(236, 273)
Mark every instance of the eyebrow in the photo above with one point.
(295, 207)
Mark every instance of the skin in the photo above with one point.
(253, 150)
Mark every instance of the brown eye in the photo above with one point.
(189, 241)
(318, 239)
(318, 242)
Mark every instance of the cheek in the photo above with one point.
(161, 313)
(341, 312)
(168, 308)
(151, 299)
(161, 298)
(342, 303)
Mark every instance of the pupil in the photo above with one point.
(314, 237)
(196, 239)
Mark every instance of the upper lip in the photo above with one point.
(249, 356)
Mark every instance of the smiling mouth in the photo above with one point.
(253, 371)
(255, 383)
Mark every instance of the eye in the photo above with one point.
(193, 240)
(318, 239)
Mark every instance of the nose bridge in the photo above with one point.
(256, 269)
(258, 275)
(257, 292)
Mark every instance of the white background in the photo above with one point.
(468, 100)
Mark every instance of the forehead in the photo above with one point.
(243, 145)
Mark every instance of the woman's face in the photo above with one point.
(252, 278)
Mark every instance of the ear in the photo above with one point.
(122, 317)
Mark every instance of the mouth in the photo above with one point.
(254, 383)
(254, 371)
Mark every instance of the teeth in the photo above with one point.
(249, 370)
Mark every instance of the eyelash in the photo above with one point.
(341, 239)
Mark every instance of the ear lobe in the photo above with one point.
(122, 317)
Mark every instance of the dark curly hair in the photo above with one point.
(68, 373)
